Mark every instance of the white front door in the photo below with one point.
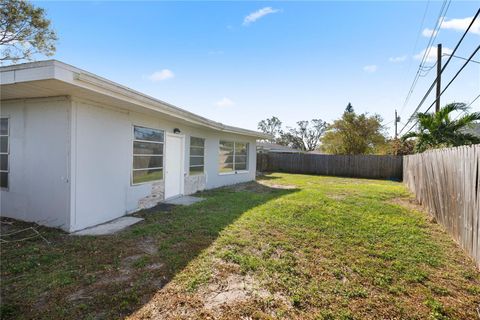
(174, 147)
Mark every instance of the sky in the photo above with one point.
(241, 62)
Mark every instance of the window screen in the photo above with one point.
(147, 154)
(197, 156)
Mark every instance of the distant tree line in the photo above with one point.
(355, 133)
(351, 134)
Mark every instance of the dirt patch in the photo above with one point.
(111, 279)
(128, 261)
(227, 291)
(337, 196)
(251, 187)
(276, 186)
(261, 186)
(154, 266)
(148, 246)
(282, 186)
(232, 290)
(408, 203)
(413, 204)
(79, 295)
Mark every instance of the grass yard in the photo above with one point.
(286, 246)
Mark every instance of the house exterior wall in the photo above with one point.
(71, 162)
(38, 161)
(102, 156)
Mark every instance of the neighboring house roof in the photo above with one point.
(474, 129)
(273, 147)
(54, 78)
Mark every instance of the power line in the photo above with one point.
(429, 68)
(448, 85)
(468, 106)
(433, 36)
(416, 40)
(473, 101)
(462, 58)
(441, 71)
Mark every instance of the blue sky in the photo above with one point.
(240, 62)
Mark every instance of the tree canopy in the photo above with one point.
(272, 126)
(436, 130)
(24, 31)
(306, 136)
(308, 133)
(354, 134)
(349, 108)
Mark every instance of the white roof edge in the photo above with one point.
(158, 105)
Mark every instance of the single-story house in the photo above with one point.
(268, 147)
(78, 150)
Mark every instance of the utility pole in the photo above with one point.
(439, 71)
(397, 120)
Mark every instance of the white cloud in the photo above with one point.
(455, 24)
(224, 102)
(397, 59)
(461, 25)
(161, 75)
(370, 68)
(429, 32)
(254, 16)
(432, 54)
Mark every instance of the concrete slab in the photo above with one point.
(184, 200)
(108, 227)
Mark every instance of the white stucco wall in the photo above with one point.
(39, 161)
(102, 147)
(71, 162)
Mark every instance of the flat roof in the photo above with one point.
(55, 78)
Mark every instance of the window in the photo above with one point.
(147, 154)
(4, 150)
(233, 156)
(197, 156)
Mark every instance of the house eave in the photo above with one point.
(59, 71)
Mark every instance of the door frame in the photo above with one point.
(182, 163)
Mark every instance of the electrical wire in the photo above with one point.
(468, 106)
(426, 70)
(448, 85)
(441, 71)
(416, 41)
(433, 36)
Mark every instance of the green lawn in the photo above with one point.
(287, 246)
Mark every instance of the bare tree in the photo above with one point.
(24, 31)
(272, 126)
(309, 134)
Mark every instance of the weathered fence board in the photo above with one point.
(447, 183)
(355, 166)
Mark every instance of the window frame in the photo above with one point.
(196, 156)
(132, 169)
(6, 153)
(247, 156)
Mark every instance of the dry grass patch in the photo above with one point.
(330, 248)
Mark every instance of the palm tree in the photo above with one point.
(437, 130)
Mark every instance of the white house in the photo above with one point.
(78, 150)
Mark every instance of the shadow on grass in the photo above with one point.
(109, 277)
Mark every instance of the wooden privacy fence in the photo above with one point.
(355, 166)
(447, 183)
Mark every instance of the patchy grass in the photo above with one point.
(290, 246)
